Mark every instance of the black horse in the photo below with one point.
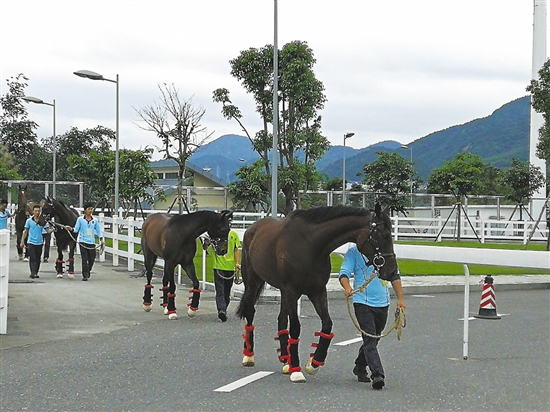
(293, 255)
(173, 238)
(24, 211)
(63, 216)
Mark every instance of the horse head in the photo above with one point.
(22, 197)
(219, 231)
(376, 243)
(48, 210)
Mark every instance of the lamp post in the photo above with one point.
(36, 100)
(346, 136)
(96, 76)
(409, 148)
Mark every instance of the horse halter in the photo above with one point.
(379, 258)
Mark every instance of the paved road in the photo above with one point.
(77, 346)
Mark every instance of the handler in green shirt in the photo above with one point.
(224, 272)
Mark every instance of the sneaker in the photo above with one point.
(26, 259)
(32, 276)
(222, 316)
(45, 260)
(59, 276)
(84, 279)
(362, 375)
(378, 382)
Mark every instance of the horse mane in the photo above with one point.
(324, 213)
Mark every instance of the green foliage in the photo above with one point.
(301, 97)
(250, 190)
(461, 177)
(391, 176)
(521, 181)
(17, 132)
(540, 93)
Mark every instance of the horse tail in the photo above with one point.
(253, 287)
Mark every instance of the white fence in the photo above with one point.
(4, 278)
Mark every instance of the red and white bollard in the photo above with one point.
(488, 306)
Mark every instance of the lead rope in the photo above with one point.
(400, 314)
(98, 247)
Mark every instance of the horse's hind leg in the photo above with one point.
(317, 359)
(291, 303)
(150, 260)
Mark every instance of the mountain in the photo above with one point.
(496, 138)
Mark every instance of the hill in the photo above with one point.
(497, 138)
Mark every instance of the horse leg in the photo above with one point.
(19, 235)
(148, 293)
(320, 303)
(295, 371)
(72, 247)
(196, 291)
(169, 290)
(282, 337)
(59, 261)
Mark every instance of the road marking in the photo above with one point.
(423, 296)
(242, 382)
(349, 342)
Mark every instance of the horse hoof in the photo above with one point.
(147, 308)
(173, 316)
(286, 369)
(70, 276)
(248, 361)
(191, 313)
(297, 377)
(310, 369)
(165, 310)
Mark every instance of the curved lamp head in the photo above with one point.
(89, 74)
(348, 135)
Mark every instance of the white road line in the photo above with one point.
(242, 382)
(349, 342)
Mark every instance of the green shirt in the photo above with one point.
(227, 261)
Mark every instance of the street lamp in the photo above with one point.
(96, 76)
(410, 148)
(346, 136)
(30, 99)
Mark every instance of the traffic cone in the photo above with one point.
(488, 306)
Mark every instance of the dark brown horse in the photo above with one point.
(63, 216)
(24, 211)
(293, 255)
(173, 238)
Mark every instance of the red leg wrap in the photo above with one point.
(247, 351)
(324, 335)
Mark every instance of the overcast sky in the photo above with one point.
(397, 69)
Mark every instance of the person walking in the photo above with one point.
(46, 237)
(225, 268)
(87, 228)
(34, 243)
(371, 310)
(4, 214)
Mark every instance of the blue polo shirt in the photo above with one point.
(4, 219)
(34, 232)
(87, 230)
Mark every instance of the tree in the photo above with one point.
(178, 125)
(540, 100)
(301, 97)
(17, 132)
(97, 169)
(391, 176)
(7, 172)
(250, 190)
(520, 182)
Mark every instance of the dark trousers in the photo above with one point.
(35, 251)
(223, 288)
(87, 252)
(372, 320)
(46, 241)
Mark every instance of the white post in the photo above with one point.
(102, 227)
(537, 120)
(466, 312)
(4, 278)
(204, 269)
(130, 244)
(115, 238)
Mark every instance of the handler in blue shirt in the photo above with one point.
(4, 214)
(34, 243)
(371, 310)
(87, 228)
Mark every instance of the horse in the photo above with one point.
(293, 255)
(64, 216)
(24, 211)
(173, 238)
